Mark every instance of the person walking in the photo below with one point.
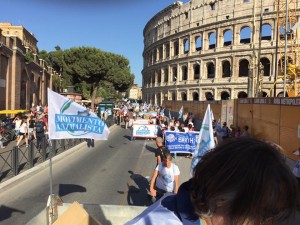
(1, 142)
(161, 149)
(31, 133)
(40, 128)
(165, 177)
(23, 132)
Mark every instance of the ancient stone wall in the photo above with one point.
(206, 49)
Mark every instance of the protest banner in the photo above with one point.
(145, 130)
(180, 142)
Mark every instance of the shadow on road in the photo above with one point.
(150, 149)
(138, 196)
(6, 212)
(65, 189)
(127, 137)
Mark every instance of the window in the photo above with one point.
(227, 38)
(245, 35)
(186, 44)
(167, 50)
(184, 73)
(186, 15)
(212, 6)
(267, 10)
(198, 41)
(212, 40)
(176, 48)
(245, 1)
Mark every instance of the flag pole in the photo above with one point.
(51, 210)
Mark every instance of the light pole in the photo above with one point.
(285, 47)
(259, 75)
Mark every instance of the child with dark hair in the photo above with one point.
(242, 181)
(165, 177)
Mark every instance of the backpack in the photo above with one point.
(39, 127)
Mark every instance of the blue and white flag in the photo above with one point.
(180, 112)
(145, 107)
(205, 141)
(67, 119)
(162, 112)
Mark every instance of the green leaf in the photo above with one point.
(66, 106)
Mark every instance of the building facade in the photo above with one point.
(135, 92)
(22, 83)
(28, 39)
(215, 50)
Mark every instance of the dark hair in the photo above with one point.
(166, 154)
(247, 176)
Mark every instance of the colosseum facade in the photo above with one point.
(210, 50)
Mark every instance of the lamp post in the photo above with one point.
(285, 47)
(259, 75)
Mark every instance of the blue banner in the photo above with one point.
(179, 142)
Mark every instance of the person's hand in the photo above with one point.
(153, 192)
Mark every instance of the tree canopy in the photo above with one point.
(91, 69)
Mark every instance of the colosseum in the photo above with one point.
(218, 50)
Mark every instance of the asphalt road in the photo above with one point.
(114, 172)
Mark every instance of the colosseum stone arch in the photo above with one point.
(204, 47)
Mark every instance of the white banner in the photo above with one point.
(67, 119)
(145, 130)
(141, 121)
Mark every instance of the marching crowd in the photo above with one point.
(243, 181)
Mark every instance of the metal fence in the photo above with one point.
(16, 160)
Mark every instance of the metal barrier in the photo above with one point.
(19, 159)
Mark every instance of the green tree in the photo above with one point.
(120, 75)
(92, 71)
(93, 66)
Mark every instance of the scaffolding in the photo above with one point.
(288, 47)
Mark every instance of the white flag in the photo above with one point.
(212, 115)
(205, 140)
(180, 112)
(67, 119)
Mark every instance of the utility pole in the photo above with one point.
(259, 77)
(252, 70)
(285, 47)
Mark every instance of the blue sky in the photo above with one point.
(111, 25)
